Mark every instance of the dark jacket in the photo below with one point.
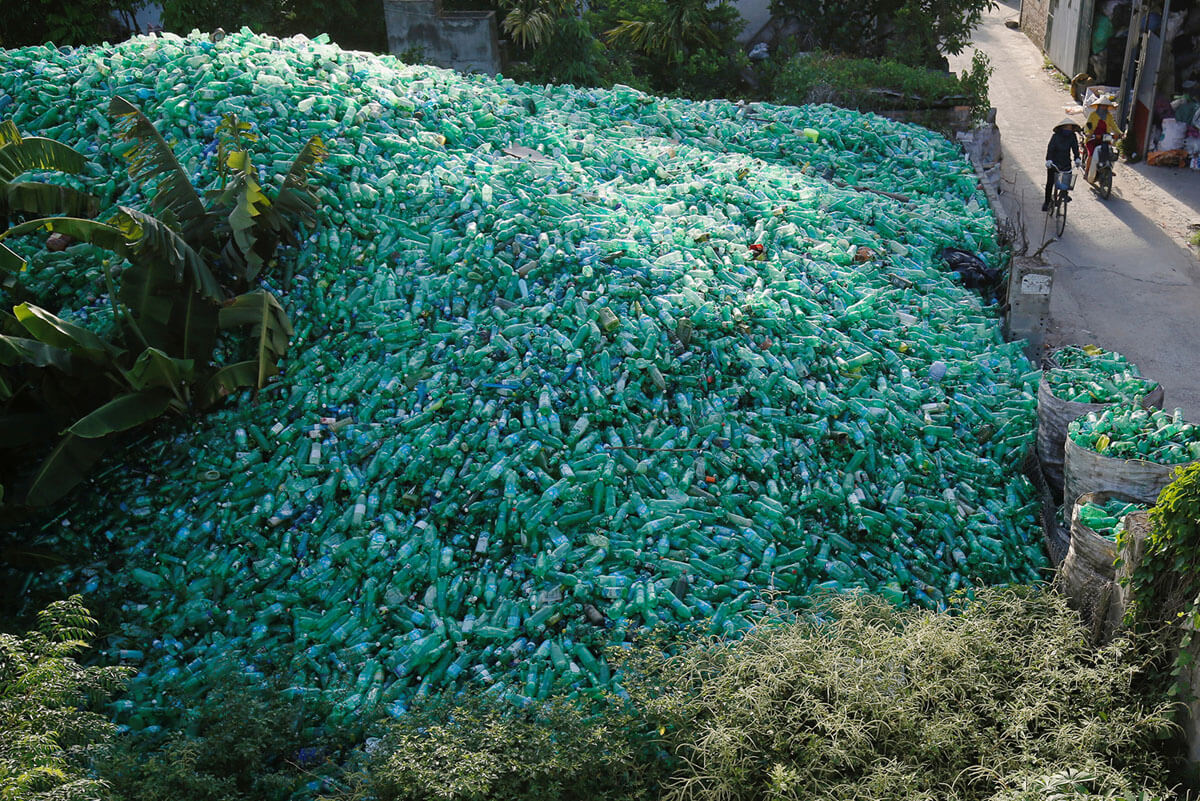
(1063, 149)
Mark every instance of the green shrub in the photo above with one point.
(47, 731)
(466, 749)
(999, 698)
(994, 699)
(239, 745)
(915, 32)
(868, 84)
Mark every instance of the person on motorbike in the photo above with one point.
(1060, 152)
(1100, 122)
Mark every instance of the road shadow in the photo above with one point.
(1178, 182)
(1088, 215)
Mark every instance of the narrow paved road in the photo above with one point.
(1125, 279)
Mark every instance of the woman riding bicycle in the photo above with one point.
(1062, 150)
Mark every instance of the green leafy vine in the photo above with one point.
(1164, 584)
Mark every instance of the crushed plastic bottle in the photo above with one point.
(1108, 519)
(1131, 432)
(1089, 374)
(569, 364)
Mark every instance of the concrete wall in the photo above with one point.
(757, 14)
(465, 41)
(1034, 15)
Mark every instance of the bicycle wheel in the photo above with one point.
(1060, 212)
(1104, 182)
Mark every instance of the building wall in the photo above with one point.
(464, 41)
(1034, 14)
(757, 14)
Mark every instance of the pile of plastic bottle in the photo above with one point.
(1131, 432)
(1088, 386)
(569, 364)
(1091, 375)
(1107, 519)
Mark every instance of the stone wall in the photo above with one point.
(1034, 16)
(466, 41)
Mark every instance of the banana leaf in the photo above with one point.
(61, 334)
(44, 200)
(297, 197)
(246, 220)
(155, 369)
(66, 466)
(148, 294)
(6, 392)
(122, 413)
(20, 154)
(20, 429)
(269, 325)
(151, 238)
(16, 351)
(152, 158)
(10, 262)
(228, 380)
(194, 321)
(104, 235)
(9, 134)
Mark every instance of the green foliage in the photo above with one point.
(865, 84)
(572, 54)
(49, 732)
(21, 154)
(35, 22)
(975, 85)
(240, 745)
(353, 24)
(1164, 583)
(1001, 697)
(177, 292)
(914, 32)
(532, 23)
(466, 749)
(989, 700)
(685, 48)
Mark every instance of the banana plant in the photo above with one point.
(186, 271)
(61, 378)
(21, 154)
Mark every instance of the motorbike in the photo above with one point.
(1104, 157)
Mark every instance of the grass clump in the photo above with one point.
(1000, 698)
(869, 84)
(997, 698)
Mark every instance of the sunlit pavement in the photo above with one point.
(1125, 279)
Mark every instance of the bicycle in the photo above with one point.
(1064, 182)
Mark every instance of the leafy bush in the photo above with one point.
(993, 699)
(464, 749)
(353, 24)
(915, 32)
(35, 22)
(171, 302)
(999, 698)
(1165, 583)
(240, 745)
(47, 731)
(685, 48)
(866, 84)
